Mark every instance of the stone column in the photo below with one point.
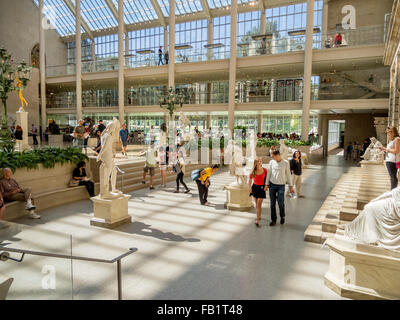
(262, 22)
(325, 8)
(42, 52)
(165, 39)
(395, 95)
(78, 61)
(307, 71)
(171, 64)
(210, 38)
(22, 120)
(208, 122)
(232, 67)
(126, 42)
(259, 122)
(121, 84)
(93, 47)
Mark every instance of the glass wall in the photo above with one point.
(222, 37)
(334, 132)
(287, 122)
(100, 98)
(190, 39)
(63, 120)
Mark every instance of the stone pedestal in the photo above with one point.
(110, 213)
(360, 271)
(366, 164)
(22, 120)
(238, 198)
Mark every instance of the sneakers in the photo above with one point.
(187, 191)
(33, 215)
(30, 206)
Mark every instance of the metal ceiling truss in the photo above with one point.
(85, 26)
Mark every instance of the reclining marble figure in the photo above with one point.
(378, 224)
(108, 170)
(283, 149)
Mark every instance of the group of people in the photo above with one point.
(354, 150)
(162, 55)
(17, 133)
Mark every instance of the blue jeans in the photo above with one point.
(277, 192)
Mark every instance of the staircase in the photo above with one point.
(132, 178)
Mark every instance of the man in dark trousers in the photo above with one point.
(160, 56)
(203, 183)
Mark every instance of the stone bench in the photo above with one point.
(46, 200)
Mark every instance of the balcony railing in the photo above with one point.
(100, 65)
(64, 70)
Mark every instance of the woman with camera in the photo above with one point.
(258, 188)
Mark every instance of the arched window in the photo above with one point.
(35, 56)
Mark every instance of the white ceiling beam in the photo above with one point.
(159, 13)
(85, 26)
(112, 8)
(206, 9)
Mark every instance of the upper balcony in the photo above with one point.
(262, 54)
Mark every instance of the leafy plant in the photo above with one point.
(275, 142)
(48, 157)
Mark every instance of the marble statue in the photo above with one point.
(236, 167)
(378, 224)
(373, 153)
(283, 149)
(183, 120)
(108, 169)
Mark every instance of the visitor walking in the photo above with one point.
(203, 183)
(162, 159)
(18, 133)
(392, 155)
(34, 132)
(278, 176)
(258, 188)
(79, 134)
(180, 169)
(79, 175)
(296, 172)
(349, 151)
(150, 164)
(123, 138)
(160, 56)
(98, 146)
(101, 126)
(11, 191)
(166, 57)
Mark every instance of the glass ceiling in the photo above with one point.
(97, 15)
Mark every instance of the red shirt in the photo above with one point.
(338, 37)
(259, 178)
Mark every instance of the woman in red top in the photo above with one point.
(338, 40)
(258, 188)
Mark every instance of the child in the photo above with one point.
(150, 164)
(349, 150)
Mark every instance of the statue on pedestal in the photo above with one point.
(378, 224)
(373, 152)
(238, 161)
(283, 149)
(108, 170)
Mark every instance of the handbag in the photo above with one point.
(73, 183)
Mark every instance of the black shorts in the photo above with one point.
(258, 191)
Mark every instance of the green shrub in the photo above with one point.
(275, 142)
(48, 157)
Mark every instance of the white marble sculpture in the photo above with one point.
(373, 153)
(283, 149)
(378, 224)
(236, 168)
(183, 120)
(108, 170)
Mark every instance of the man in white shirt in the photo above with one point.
(278, 175)
(151, 163)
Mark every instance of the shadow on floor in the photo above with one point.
(145, 230)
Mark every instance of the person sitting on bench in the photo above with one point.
(11, 191)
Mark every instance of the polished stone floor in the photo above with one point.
(186, 251)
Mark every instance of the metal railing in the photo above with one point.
(4, 256)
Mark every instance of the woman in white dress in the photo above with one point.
(379, 222)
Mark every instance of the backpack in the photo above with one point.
(196, 174)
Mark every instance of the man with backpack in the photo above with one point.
(202, 178)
